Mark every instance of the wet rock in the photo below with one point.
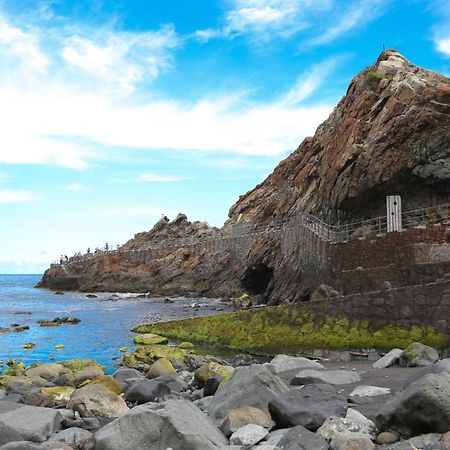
(308, 406)
(246, 415)
(147, 391)
(162, 426)
(424, 407)
(299, 438)
(418, 355)
(284, 363)
(248, 435)
(335, 377)
(95, 400)
(389, 359)
(252, 385)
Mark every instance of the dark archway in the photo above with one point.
(256, 278)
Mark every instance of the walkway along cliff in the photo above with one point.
(320, 217)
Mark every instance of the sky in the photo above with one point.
(113, 112)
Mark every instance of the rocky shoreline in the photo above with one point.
(163, 396)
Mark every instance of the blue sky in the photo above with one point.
(113, 112)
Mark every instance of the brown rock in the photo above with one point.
(386, 437)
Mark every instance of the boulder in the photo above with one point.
(48, 371)
(245, 415)
(25, 385)
(253, 385)
(299, 438)
(336, 377)
(147, 391)
(308, 406)
(424, 407)
(389, 359)
(285, 363)
(32, 423)
(160, 368)
(352, 441)
(8, 434)
(211, 369)
(109, 382)
(150, 339)
(175, 424)
(441, 366)
(353, 422)
(248, 435)
(22, 445)
(59, 393)
(211, 385)
(386, 437)
(54, 445)
(96, 400)
(418, 355)
(275, 437)
(322, 292)
(88, 373)
(174, 382)
(121, 375)
(75, 437)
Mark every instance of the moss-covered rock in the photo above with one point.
(160, 368)
(14, 368)
(78, 364)
(110, 382)
(150, 339)
(123, 349)
(155, 352)
(28, 345)
(186, 345)
(211, 369)
(59, 393)
(292, 329)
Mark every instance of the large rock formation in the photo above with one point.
(390, 134)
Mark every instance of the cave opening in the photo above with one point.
(256, 278)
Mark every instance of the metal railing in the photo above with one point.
(417, 218)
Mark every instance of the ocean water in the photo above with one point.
(105, 321)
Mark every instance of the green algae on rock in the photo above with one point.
(150, 339)
(293, 329)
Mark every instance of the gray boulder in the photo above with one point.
(252, 385)
(285, 363)
(308, 406)
(175, 424)
(352, 441)
(121, 375)
(389, 359)
(174, 382)
(75, 437)
(424, 407)
(248, 435)
(96, 400)
(33, 423)
(147, 391)
(441, 366)
(22, 445)
(335, 377)
(418, 355)
(245, 415)
(299, 438)
(8, 434)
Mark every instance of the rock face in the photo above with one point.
(174, 424)
(390, 133)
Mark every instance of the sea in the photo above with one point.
(105, 324)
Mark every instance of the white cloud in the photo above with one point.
(323, 20)
(11, 196)
(356, 15)
(156, 178)
(18, 45)
(122, 60)
(443, 45)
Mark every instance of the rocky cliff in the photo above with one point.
(390, 134)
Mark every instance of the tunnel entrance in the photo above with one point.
(256, 278)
